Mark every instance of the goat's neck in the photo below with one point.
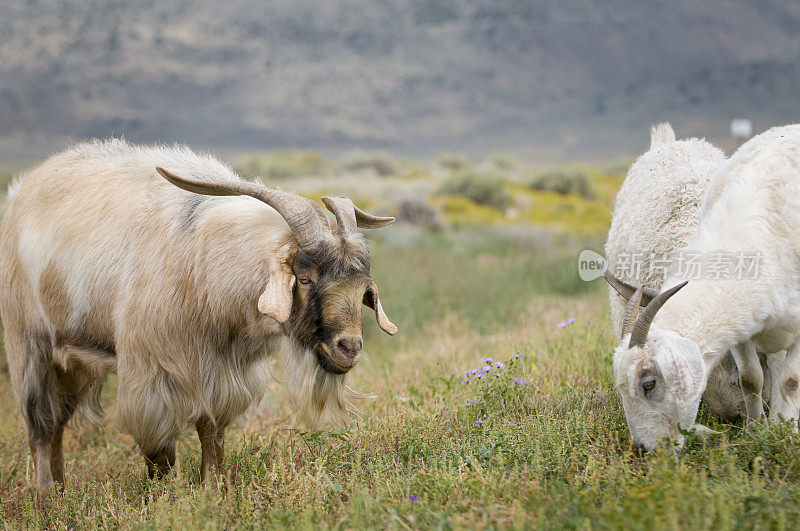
(715, 314)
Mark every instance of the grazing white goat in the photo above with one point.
(655, 217)
(105, 265)
(663, 361)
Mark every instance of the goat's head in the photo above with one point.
(316, 290)
(659, 374)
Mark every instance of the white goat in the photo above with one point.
(662, 364)
(106, 265)
(655, 216)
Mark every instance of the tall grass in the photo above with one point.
(544, 444)
(533, 437)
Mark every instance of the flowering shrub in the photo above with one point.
(497, 385)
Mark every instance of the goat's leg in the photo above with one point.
(160, 462)
(45, 409)
(221, 446)
(775, 365)
(751, 378)
(211, 452)
(790, 385)
(67, 404)
(46, 446)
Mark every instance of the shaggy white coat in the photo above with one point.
(752, 207)
(656, 214)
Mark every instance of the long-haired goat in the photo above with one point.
(662, 364)
(106, 265)
(655, 217)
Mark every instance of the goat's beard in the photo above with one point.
(318, 396)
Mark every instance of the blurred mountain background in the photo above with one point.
(558, 80)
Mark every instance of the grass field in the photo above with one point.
(537, 441)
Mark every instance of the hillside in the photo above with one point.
(575, 78)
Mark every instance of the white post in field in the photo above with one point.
(741, 128)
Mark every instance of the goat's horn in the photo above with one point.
(304, 217)
(627, 290)
(630, 312)
(368, 221)
(349, 216)
(344, 210)
(642, 326)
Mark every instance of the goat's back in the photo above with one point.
(80, 227)
(656, 212)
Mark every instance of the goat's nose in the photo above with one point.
(350, 345)
(640, 448)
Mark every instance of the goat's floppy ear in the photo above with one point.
(276, 301)
(682, 368)
(372, 301)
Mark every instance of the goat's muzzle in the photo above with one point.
(340, 357)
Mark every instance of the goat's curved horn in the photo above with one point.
(368, 221)
(630, 312)
(642, 326)
(344, 210)
(304, 217)
(349, 216)
(627, 290)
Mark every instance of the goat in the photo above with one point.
(115, 257)
(661, 366)
(655, 217)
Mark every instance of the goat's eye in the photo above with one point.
(648, 385)
(304, 280)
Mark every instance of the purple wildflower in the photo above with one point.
(542, 351)
(479, 422)
(500, 365)
(413, 499)
(464, 381)
(566, 323)
(487, 360)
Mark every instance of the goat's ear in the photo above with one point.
(371, 300)
(682, 368)
(661, 134)
(276, 301)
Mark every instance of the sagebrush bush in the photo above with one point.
(565, 182)
(453, 162)
(282, 164)
(416, 210)
(489, 190)
(503, 162)
(380, 163)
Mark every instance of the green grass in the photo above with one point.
(543, 445)
(550, 453)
